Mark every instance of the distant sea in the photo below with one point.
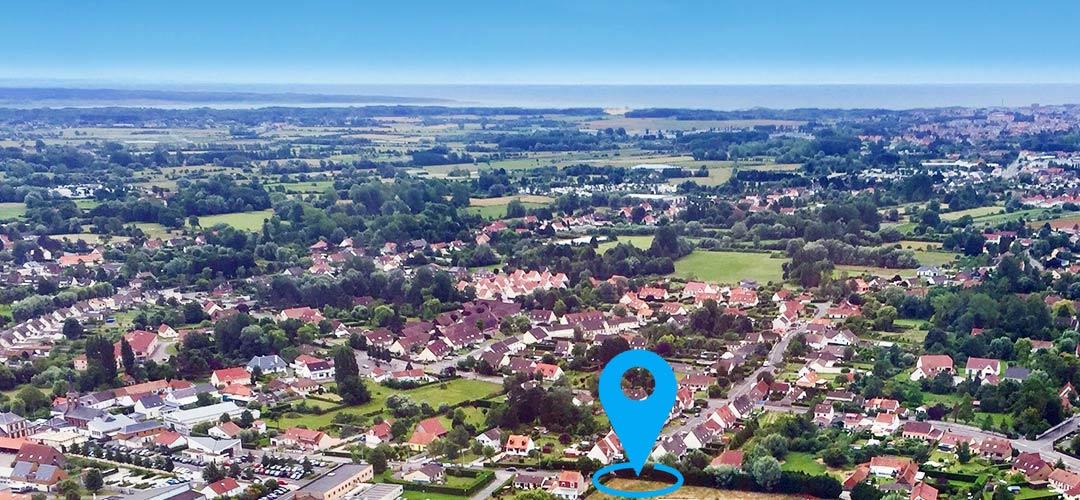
(718, 97)
(736, 97)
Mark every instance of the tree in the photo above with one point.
(127, 355)
(93, 480)
(1002, 493)
(865, 491)
(766, 472)
(72, 328)
(963, 452)
(611, 347)
(350, 386)
(378, 458)
(101, 360)
(775, 444)
(212, 474)
(536, 494)
(966, 411)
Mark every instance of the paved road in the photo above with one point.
(500, 477)
(776, 355)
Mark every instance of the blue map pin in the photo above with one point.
(638, 423)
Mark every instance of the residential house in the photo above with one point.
(226, 376)
(269, 364)
(570, 485)
(982, 367)
(930, 365)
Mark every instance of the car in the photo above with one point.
(530, 469)
(511, 469)
(282, 482)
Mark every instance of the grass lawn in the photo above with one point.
(246, 221)
(12, 210)
(729, 267)
(455, 392)
(642, 242)
(419, 495)
(803, 462)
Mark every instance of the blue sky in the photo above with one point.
(522, 41)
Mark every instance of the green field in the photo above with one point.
(499, 211)
(455, 391)
(854, 271)
(717, 176)
(642, 242)
(729, 267)
(973, 212)
(934, 258)
(1029, 214)
(299, 187)
(12, 210)
(247, 221)
(803, 462)
(154, 230)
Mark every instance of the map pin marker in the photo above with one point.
(638, 423)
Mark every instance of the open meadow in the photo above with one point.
(729, 267)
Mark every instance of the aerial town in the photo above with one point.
(378, 303)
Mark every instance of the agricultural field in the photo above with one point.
(1066, 221)
(729, 267)
(12, 210)
(695, 492)
(717, 176)
(247, 221)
